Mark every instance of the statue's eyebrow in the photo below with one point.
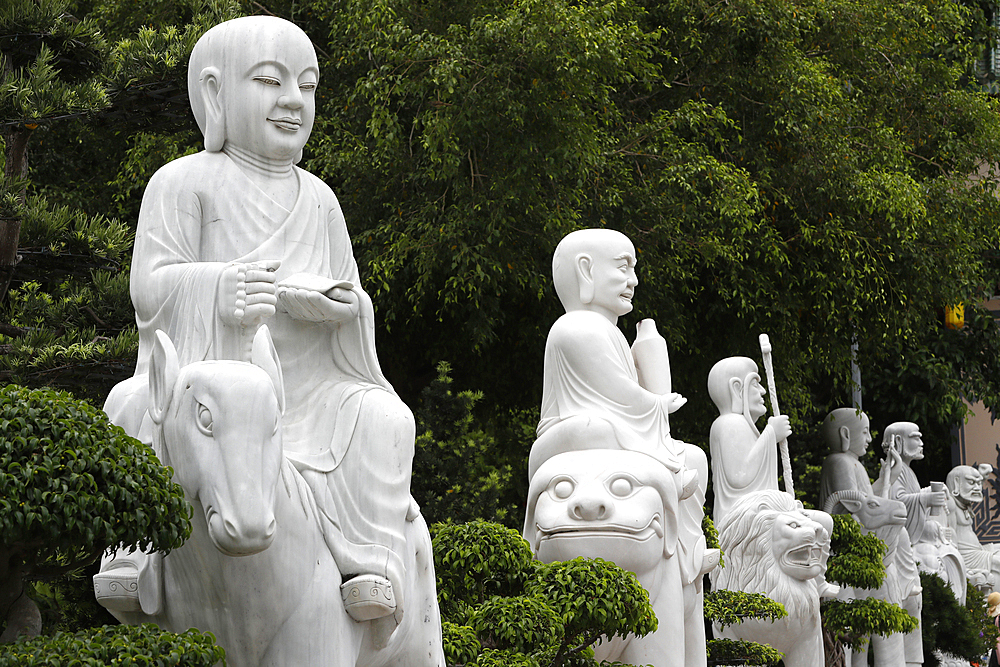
(626, 257)
(272, 63)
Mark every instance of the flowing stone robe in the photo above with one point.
(589, 371)
(344, 427)
(740, 434)
(907, 488)
(977, 556)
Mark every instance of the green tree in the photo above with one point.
(817, 170)
(71, 484)
(501, 607)
(856, 560)
(81, 82)
(458, 474)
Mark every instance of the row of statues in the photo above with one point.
(258, 381)
(606, 475)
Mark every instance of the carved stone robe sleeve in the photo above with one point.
(589, 371)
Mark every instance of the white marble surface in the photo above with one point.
(620, 506)
(744, 459)
(773, 547)
(845, 486)
(237, 236)
(257, 571)
(599, 393)
(965, 491)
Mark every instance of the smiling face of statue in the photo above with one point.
(845, 430)
(272, 105)
(252, 83)
(861, 435)
(594, 269)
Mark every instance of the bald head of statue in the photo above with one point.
(251, 83)
(594, 269)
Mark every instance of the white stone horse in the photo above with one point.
(257, 571)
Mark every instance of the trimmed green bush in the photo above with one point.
(119, 645)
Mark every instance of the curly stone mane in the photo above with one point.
(745, 538)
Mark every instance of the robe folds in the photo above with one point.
(589, 371)
(200, 215)
(731, 438)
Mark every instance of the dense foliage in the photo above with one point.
(499, 606)
(965, 632)
(856, 560)
(71, 484)
(458, 468)
(818, 169)
(127, 646)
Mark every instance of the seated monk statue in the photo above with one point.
(237, 235)
(965, 491)
(594, 396)
(744, 459)
(847, 432)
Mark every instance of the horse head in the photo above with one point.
(218, 425)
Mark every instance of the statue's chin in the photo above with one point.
(637, 552)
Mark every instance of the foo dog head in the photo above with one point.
(617, 505)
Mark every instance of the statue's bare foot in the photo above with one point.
(367, 597)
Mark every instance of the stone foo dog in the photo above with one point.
(773, 547)
(622, 507)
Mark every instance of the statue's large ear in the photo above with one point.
(845, 438)
(210, 88)
(736, 394)
(163, 371)
(584, 265)
(265, 356)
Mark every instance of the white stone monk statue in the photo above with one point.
(847, 432)
(965, 491)
(744, 459)
(598, 395)
(238, 235)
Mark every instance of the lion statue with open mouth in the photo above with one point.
(773, 547)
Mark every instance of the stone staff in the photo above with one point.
(786, 461)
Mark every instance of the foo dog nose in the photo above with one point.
(591, 509)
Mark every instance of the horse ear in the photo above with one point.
(265, 356)
(163, 371)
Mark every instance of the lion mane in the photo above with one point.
(750, 565)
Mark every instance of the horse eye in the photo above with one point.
(204, 420)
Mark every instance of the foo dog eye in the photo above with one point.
(622, 486)
(562, 488)
(204, 420)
